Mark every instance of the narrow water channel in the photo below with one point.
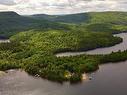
(110, 79)
(122, 46)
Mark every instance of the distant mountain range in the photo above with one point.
(90, 17)
(11, 22)
(113, 22)
(72, 18)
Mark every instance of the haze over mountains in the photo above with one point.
(72, 18)
(84, 17)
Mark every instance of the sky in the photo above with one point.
(28, 7)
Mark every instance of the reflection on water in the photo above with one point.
(110, 79)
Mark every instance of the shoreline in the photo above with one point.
(2, 73)
(85, 77)
(93, 51)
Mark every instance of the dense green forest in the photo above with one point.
(114, 22)
(12, 23)
(90, 17)
(34, 49)
(72, 18)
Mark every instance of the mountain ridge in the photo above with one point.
(11, 22)
(76, 18)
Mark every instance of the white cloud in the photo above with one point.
(61, 6)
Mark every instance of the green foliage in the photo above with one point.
(12, 23)
(34, 51)
(72, 18)
(57, 41)
(99, 27)
(90, 17)
(108, 17)
(114, 57)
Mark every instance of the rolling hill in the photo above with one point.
(11, 23)
(34, 50)
(92, 21)
(72, 18)
(90, 17)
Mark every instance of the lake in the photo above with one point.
(110, 79)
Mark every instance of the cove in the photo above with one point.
(110, 79)
(107, 50)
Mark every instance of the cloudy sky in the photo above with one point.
(61, 6)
